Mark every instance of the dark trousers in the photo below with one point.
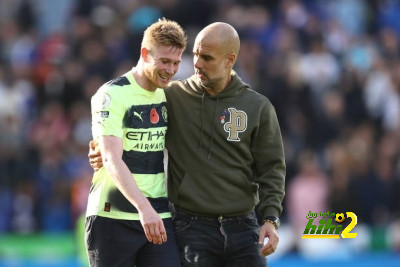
(218, 241)
(122, 243)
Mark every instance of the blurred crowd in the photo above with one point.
(331, 68)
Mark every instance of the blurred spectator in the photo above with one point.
(341, 196)
(351, 14)
(381, 96)
(320, 70)
(307, 192)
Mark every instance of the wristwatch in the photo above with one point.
(274, 220)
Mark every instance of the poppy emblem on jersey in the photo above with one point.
(154, 117)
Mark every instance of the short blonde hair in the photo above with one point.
(164, 32)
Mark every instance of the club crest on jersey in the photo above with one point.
(235, 122)
(164, 113)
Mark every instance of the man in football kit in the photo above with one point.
(128, 221)
(225, 156)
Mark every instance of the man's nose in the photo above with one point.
(171, 69)
(197, 63)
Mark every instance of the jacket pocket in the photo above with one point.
(216, 192)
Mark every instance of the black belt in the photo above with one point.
(211, 217)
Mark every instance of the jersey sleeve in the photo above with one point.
(107, 112)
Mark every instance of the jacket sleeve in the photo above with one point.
(269, 158)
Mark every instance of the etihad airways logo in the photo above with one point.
(146, 140)
(237, 123)
(146, 135)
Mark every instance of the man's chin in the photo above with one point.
(200, 80)
(163, 85)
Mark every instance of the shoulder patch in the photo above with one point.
(120, 81)
(105, 101)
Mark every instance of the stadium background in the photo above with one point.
(331, 69)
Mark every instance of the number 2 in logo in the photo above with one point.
(346, 231)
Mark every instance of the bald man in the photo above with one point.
(225, 156)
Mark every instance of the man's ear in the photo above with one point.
(144, 53)
(231, 60)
